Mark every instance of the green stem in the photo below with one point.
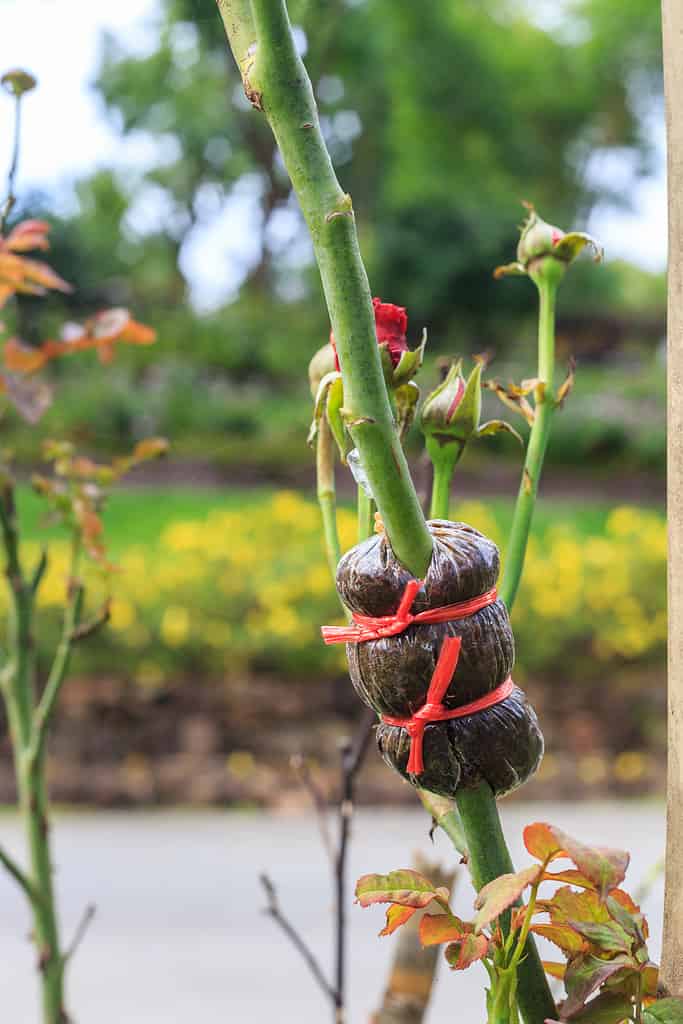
(366, 515)
(488, 858)
(276, 81)
(327, 497)
(536, 448)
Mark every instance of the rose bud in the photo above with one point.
(545, 251)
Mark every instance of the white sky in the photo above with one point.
(66, 134)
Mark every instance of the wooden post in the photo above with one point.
(672, 955)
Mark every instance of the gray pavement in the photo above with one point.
(179, 935)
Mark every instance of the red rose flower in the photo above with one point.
(391, 324)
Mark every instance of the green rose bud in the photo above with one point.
(544, 251)
(450, 415)
(322, 363)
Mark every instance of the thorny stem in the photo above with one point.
(276, 81)
(536, 448)
(488, 858)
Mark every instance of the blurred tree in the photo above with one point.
(440, 116)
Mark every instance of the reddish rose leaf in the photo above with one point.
(609, 937)
(624, 910)
(606, 1008)
(396, 916)
(406, 887)
(604, 867)
(501, 893)
(466, 951)
(542, 842)
(438, 928)
(584, 976)
(561, 935)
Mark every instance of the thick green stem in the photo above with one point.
(276, 81)
(327, 498)
(488, 857)
(536, 448)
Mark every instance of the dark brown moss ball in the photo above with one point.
(502, 744)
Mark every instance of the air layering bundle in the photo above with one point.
(433, 658)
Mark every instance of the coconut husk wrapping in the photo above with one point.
(503, 744)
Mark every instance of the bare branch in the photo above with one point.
(305, 778)
(273, 909)
(19, 876)
(79, 935)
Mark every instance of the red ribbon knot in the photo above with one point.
(369, 627)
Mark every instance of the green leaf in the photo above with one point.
(664, 1011)
(333, 410)
(501, 893)
(466, 951)
(569, 246)
(605, 1009)
(405, 887)
(410, 362)
(584, 976)
(608, 937)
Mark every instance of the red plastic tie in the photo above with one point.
(368, 627)
(433, 710)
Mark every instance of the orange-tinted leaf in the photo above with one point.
(22, 358)
(606, 868)
(607, 937)
(554, 970)
(396, 916)
(466, 950)
(438, 928)
(631, 908)
(138, 334)
(406, 887)
(28, 235)
(572, 875)
(567, 905)
(561, 935)
(501, 893)
(150, 448)
(541, 840)
(39, 273)
(109, 324)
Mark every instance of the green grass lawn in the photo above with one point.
(140, 515)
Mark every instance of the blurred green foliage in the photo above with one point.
(439, 117)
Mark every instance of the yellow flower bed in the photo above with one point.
(248, 589)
